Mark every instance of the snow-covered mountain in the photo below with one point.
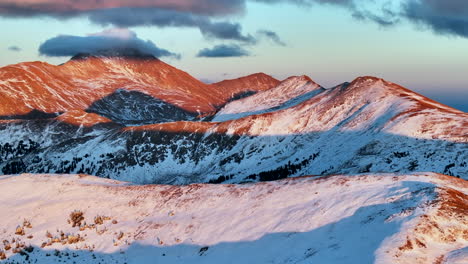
(415, 219)
(141, 120)
(288, 93)
(248, 84)
(123, 88)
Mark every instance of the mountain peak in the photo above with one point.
(251, 83)
(299, 78)
(371, 83)
(365, 81)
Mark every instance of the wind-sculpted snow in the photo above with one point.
(415, 219)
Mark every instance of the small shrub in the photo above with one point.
(203, 250)
(73, 239)
(27, 224)
(19, 231)
(76, 217)
(98, 220)
(29, 249)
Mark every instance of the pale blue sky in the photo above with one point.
(324, 42)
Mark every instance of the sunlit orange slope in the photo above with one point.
(253, 83)
(80, 82)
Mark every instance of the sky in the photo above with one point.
(420, 44)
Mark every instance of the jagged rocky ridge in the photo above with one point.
(141, 120)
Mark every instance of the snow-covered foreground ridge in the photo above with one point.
(380, 218)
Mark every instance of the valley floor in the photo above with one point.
(379, 218)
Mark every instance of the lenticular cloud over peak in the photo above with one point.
(102, 43)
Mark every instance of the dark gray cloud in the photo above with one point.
(448, 17)
(73, 7)
(14, 48)
(128, 17)
(223, 51)
(441, 16)
(271, 35)
(113, 41)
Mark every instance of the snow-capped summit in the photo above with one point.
(247, 85)
(288, 93)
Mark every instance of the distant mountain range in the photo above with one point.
(138, 119)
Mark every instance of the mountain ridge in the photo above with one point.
(294, 129)
(95, 77)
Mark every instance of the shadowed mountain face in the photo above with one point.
(164, 157)
(33, 115)
(136, 108)
(146, 130)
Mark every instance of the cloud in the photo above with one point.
(127, 13)
(223, 51)
(447, 17)
(271, 36)
(73, 7)
(113, 41)
(128, 17)
(440, 16)
(14, 48)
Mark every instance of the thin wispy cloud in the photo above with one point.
(447, 17)
(14, 48)
(272, 36)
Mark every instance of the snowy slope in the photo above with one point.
(419, 218)
(290, 92)
(251, 83)
(96, 81)
(369, 125)
(87, 117)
